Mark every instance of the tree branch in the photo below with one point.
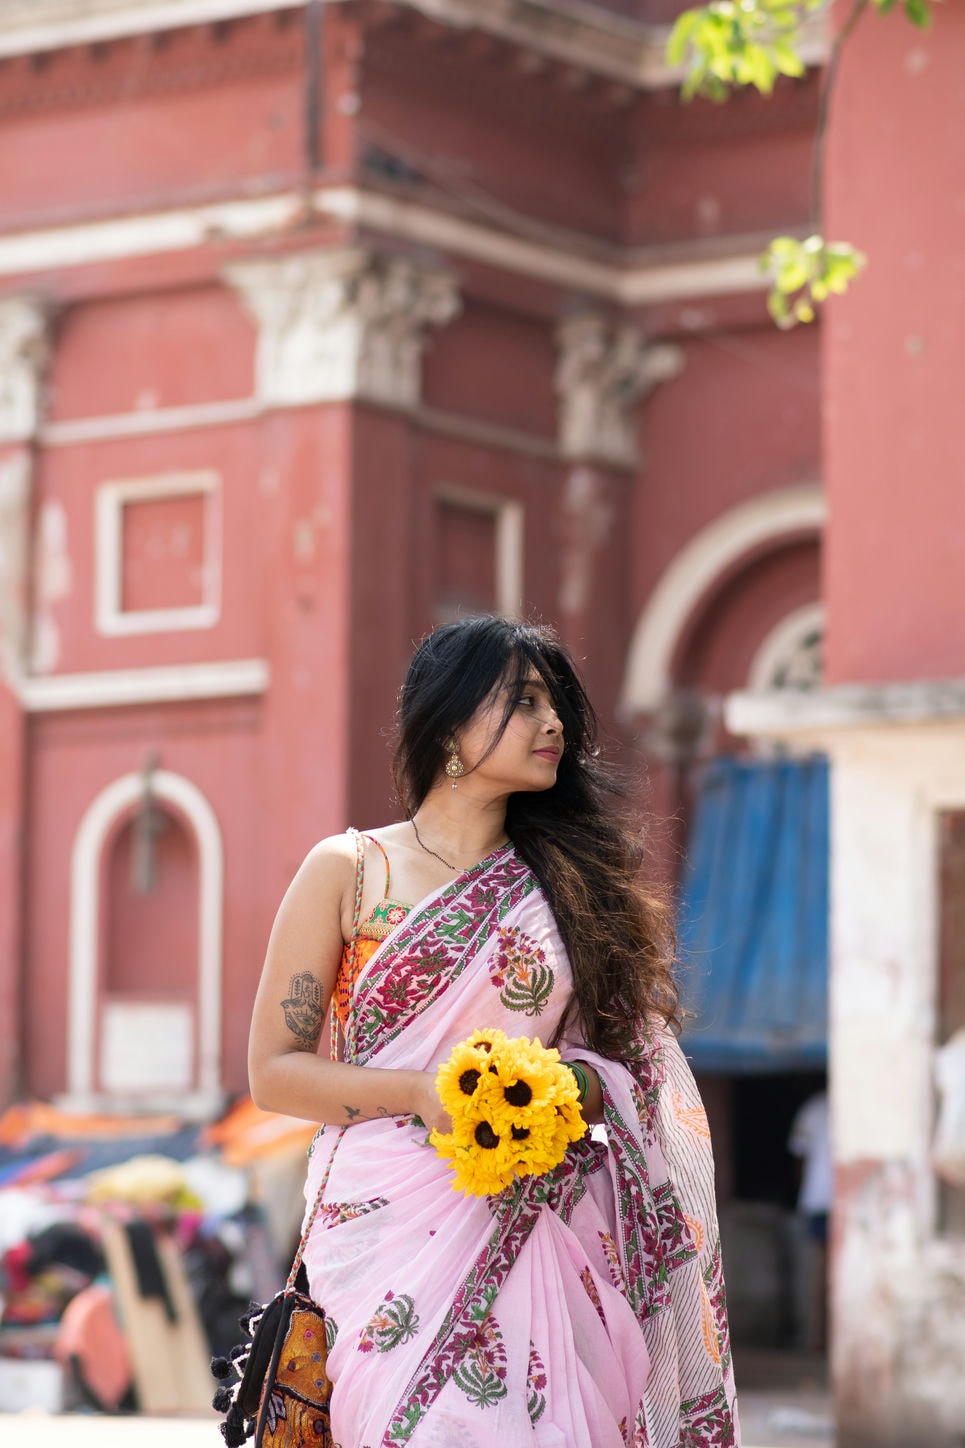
(824, 112)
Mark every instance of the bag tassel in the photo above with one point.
(234, 1429)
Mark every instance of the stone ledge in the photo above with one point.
(579, 32)
(846, 706)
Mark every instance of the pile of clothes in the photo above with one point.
(130, 1246)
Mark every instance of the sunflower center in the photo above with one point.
(519, 1094)
(468, 1082)
(485, 1136)
(520, 1133)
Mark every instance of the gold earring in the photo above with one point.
(454, 767)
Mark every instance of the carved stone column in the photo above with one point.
(15, 472)
(23, 354)
(23, 357)
(604, 370)
(338, 325)
(605, 367)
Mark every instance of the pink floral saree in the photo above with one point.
(581, 1309)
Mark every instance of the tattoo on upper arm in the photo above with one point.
(304, 1009)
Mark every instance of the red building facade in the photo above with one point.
(321, 323)
(318, 325)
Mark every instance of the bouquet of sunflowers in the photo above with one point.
(515, 1108)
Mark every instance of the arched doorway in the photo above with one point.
(145, 947)
(737, 609)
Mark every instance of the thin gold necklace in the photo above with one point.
(435, 853)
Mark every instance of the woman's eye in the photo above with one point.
(525, 699)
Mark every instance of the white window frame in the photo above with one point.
(111, 618)
(509, 516)
(783, 639)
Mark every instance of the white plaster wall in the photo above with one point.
(898, 1288)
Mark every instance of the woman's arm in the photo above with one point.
(592, 1107)
(285, 1071)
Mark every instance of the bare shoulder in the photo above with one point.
(338, 853)
(318, 900)
(332, 850)
(328, 870)
(398, 833)
(326, 882)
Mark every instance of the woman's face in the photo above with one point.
(527, 754)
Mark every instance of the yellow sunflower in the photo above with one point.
(489, 1040)
(458, 1079)
(483, 1162)
(515, 1109)
(525, 1082)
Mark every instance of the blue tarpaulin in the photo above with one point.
(753, 917)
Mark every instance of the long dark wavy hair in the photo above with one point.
(573, 836)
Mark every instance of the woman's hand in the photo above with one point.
(431, 1110)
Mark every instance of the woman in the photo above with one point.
(580, 1309)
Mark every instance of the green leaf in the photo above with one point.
(791, 276)
(777, 306)
(680, 36)
(781, 246)
(762, 69)
(805, 274)
(918, 13)
(786, 59)
(749, 43)
(840, 250)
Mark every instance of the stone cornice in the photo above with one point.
(633, 278)
(840, 708)
(31, 26)
(152, 64)
(574, 32)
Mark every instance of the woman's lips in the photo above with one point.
(553, 754)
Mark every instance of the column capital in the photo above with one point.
(24, 349)
(605, 367)
(342, 324)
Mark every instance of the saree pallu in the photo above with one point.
(581, 1309)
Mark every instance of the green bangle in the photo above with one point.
(582, 1080)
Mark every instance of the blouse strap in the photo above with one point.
(353, 945)
(359, 880)
(381, 848)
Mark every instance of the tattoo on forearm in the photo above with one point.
(304, 1010)
(355, 1113)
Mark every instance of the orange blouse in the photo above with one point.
(370, 933)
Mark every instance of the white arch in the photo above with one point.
(782, 639)
(85, 921)
(698, 565)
